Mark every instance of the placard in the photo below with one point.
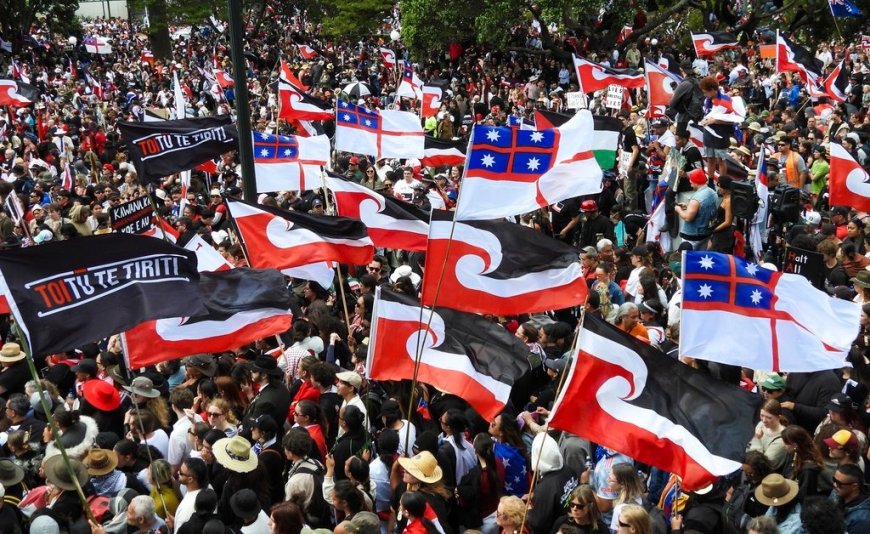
(575, 100)
(806, 263)
(614, 97)
(133, 217)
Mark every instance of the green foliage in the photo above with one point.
(429, 25)
(354, 19)
(18, 15)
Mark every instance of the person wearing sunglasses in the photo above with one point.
(583, 513)
(852, 497)
(633, 519)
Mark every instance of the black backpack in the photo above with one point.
(658, 519)
(318, 514)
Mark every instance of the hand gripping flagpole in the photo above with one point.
(55, 431)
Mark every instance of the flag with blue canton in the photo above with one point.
(844, 8)
(379, 133)
(289, 162)
(776, 321)
(510, 171)
(516, 477)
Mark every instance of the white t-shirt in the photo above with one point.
(405, 190)
(260, 526)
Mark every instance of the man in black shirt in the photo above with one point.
(630, 151)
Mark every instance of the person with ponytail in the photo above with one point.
(478, 492)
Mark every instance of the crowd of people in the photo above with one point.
(288, 435)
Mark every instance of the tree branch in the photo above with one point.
(655, 23)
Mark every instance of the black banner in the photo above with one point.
(806, 263)
(133, 217)
(70, 293)
(162, 148)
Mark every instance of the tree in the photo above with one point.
(352, 19)
(19, 15)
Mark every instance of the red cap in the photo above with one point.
(354, 160)
(698, 177)
(588, 205)
(109, 167)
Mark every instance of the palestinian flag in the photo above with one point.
(605, 142)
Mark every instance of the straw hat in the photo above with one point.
(57, 473)
(11, 352)
(235, 454)
(424, 467)
(100, 461)
(775, 490)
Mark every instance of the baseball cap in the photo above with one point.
(842, 439)
(773, 382)
(840, 403)
(351, 377)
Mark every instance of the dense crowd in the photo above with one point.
(288, 435)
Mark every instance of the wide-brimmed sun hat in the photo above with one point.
(11, 352)
(143, 386)
(424, 467)
(57, 473)
(235, 454)
(100, 461)
(776, 490)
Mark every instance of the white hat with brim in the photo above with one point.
(235, 454)
(424, 467)
(11, 352)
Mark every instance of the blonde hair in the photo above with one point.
(514, 509)
(225, 407)
(636, 517)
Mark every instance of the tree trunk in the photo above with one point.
(158, 32)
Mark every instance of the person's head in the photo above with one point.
(589, 258)
(582, 507)
(141, 512)
(627, 315)
(797, 440)
(602, 272)
(756, 466)
(414, 504)
(527, 332)
(709, 86)
(286, 518)
(351, 418)
(624, 479)
(821, 515)
(848, 479)
(762, 525)
(347, 498)
(348, 384)
(297, 443)
(770, 413)
(181, 399)
(17, 407)
(453, 423)
(306, 413)
(855, 229)
(375, 268)
(506, 429)
(510, 512)
(160, 472)
(193, 473)
(633, 519)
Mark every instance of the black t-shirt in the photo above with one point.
(13, 378)
(629, 139)
(563, 213)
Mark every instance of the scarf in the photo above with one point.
(110, 484)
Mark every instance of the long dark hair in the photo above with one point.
(484, 447)
(805, 451)
(457, 423)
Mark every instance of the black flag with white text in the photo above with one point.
(69, 293)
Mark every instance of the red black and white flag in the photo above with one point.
(711, 43)
(499, 268)
(594, 77)
(837, 84)
(463, 354)
(791, 57)
(649, 406)
(442, 152)
(10, 95)
(69, 293)
(388, 57)
(295, 104)
(391, 223)
(306, 51)
(287, 76)
(281, 239)
(431, 100)
(223, 79)
(243, 305)
(849, 183)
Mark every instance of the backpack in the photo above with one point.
(695, 107)
(318, 514)
(734, 517)
(725, 525)
(99, 505)
(658, 519)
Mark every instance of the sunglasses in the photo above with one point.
(214, 414)
(841, 483)
(578, 505)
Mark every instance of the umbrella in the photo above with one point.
(357, 90)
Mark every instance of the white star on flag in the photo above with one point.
(533, 164)
(288, 152)
(264, 153)
(368, 122)
(537, 137)
(706, 262)
(492, 135)
(705, 291)
(487, 160)
(756, 296)
(752, 269)
(346, 117)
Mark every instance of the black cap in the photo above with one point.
(85, 366)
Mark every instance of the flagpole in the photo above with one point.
(836, 25)
(55, 431)
(337, 265)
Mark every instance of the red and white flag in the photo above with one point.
(498, 267)
(9, 95)
(379, 133)
(306, 51)
(295, 104)
(391, 223)
(443, 153)
(660, 85)
(431, 100)
(288, 76)
(849, 183)
(280, 239)
(223, 79)
(388, 57)
(148, 57)
(289, 162)
(411, 85)
(594, 77)
(463, 354)
(244, 305)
